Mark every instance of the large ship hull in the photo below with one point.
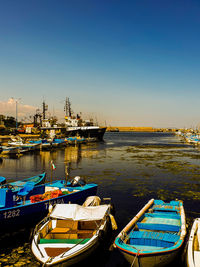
(86, 132)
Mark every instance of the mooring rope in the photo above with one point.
(135, 257)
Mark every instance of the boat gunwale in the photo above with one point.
(190, 249)
(147, 253)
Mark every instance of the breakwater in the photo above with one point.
(137, 129)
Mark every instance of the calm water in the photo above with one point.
(130, 168)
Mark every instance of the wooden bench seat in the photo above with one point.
(60, 230)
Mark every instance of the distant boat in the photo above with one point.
(23, 146)
(10, 151)
(155, 235)
(75, 126)
(193, 248)
(71, 232)
(24, 207)
(43, 143)
(58, 142)
(75, 140)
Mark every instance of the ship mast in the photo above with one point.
(67, 108)
(44, 109)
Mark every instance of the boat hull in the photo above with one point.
(14, 218)
(78, 257)
(152, 260)
(87, 132)
(193, 252)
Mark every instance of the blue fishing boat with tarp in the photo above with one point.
(155, 235)
(27, 206)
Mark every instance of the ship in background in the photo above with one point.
(76, 126)
(73, 126)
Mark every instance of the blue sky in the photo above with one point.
(126, 63)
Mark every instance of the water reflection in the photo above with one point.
(130, 168)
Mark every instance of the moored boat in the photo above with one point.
(155, 235)
(25, 207)
(58, 142)
(71, 232)
(10, 151)
(75, 140)
(193, 248)
(2, 180)
(35, 180)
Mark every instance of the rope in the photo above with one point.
(48, 260)
(135, 257)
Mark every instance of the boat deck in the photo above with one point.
(156, 230)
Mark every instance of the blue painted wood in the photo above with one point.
(160, 227)
(169, 215)
(154, 236)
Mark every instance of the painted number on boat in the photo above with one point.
(11, 214)
(58, 201)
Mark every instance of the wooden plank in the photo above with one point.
(58, 230)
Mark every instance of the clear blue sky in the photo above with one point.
(129, 63)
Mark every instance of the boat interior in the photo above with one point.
(67, 231)
(157, 229)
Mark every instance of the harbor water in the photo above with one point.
(130, 168)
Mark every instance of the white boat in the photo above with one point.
(71, 233)
(193, 249)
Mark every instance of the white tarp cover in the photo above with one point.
(78, 213)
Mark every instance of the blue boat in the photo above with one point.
(58, 142)
(155, 235)
(72, 140)
(35, 180)
(43, 143)
(27, 206)
(2, 180)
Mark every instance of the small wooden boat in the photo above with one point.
(26, 206)
(71, 232)
(73, 140)
(58, 142)
(18, 142)
(155, 235)
(10, 151)
(17, 185)
(35, 180)
(2, 180)
(193, 249)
